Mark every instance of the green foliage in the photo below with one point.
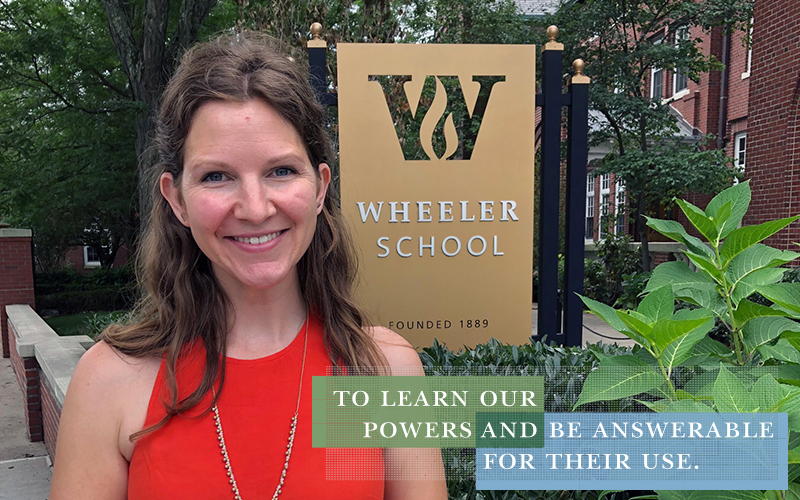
(101, 299)
(762, 371)
(604, 277)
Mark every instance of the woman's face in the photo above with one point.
(248, 193)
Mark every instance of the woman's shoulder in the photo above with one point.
(399, 353)
(116, 387)
(104, 367)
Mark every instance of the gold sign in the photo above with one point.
(437, 148)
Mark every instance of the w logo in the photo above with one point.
(454, 134)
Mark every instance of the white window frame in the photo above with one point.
(653, 71)
(89, 263)
(681, 33)
(746, 73)
(619, 203)
(605, 204)
(739, 140)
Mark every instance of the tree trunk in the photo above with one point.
(148, 60)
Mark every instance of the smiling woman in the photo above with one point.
(247, 276)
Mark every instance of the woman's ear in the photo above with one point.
(324, 182)
(171, 193)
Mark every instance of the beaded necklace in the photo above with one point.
(289, 446)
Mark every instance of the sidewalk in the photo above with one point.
(594, 330)
(24, 466)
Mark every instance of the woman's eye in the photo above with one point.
(214, 177)
(283, 171)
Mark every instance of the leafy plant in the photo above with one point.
(760, 373)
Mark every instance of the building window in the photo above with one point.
(680, 81)
(605, 182)
(619, 208)
(656, 83)
(746, 73)
(90, 257)
(589, 232)
(740, 149)
(605, 203)
(657, 79)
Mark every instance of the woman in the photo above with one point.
(247, 272)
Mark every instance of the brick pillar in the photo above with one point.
(16, 274)
(27, 371)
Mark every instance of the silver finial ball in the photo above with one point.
(316, 30)
(552, 33)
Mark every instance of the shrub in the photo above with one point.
(102, 299)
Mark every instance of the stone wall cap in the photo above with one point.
(57, 361)
(8, 232)
(29, 327)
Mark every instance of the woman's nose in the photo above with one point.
(254, 202)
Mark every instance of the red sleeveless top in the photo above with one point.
(182, 459)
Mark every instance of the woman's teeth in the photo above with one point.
(256, 240)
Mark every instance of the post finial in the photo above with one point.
(578, 66)
(316, 41)
(552, 33)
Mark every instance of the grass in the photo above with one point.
(88, 323)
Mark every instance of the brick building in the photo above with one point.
(773, 140)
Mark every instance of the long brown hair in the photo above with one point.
(182, 300)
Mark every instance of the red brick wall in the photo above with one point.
(27, 372)
(51, 416)
(16, 278)
(773, 139)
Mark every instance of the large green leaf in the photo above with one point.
(784, 294)
(749, 310)
(745, 237)
(782, 351)
(615, 382)
(766, 393)
(747, 285)
(754, 258)
(730, 394)
(675, 231)
(635, 328)
(699, 219)
(793, 493)
(705, 297)
(679, 351)
(667, 331)
(762, 330)
(679, 275)
(687, 406)
(711, 346)
(658, 304)
(707, 264)
(738, 197)
(793, 337)
(722, 219)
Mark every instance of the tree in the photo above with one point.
(78, 88)
(618, 40)
(65, 159)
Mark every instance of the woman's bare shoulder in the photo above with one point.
(399, 353)
(104, 367)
